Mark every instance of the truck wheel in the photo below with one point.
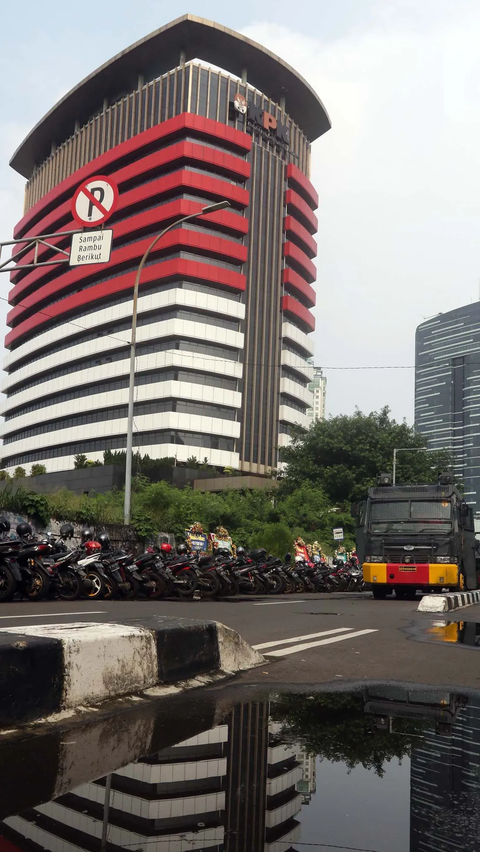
(379, 592)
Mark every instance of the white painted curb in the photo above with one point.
(101, 661)
(236, 655)
(84, 664)
(448, 602)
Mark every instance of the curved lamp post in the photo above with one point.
(212, 208)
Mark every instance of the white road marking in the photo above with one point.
(301, 638)
(278, 603)
(285, 651)
(55, 614)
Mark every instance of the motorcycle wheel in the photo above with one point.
(256, 587)
(111, 589)
(300, 587)
(159, 586)
(209, 584)
(98, 585)
(289, 586)
(69, 587)
(189, 585)
(230, 589)
(8, 584)
(38, 585)
(275, 584)
(133, 588)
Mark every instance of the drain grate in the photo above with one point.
(320, 612)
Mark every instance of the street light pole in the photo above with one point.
(405, 450)
(212, 208)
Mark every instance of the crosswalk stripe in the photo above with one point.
(301, 638)
(304, 647)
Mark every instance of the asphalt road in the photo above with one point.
(311, 640)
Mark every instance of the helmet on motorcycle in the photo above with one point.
(24, 529)
(92, 546)
(166, 547)
(240, 551)
(222, 551)
(66, 530)
(104, 540)
(87, 534)
(288, 557)
(4, 524)
(258, 554)
(182, 549)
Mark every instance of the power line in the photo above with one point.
(205, 357)
(141, 843)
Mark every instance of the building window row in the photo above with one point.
(293, 376)
(144, 319)
(142, 439)
(118, 384)
(142, 408)
(202, 349)
(293, 403)
(205, 379)
(298, 351)
(129, 240)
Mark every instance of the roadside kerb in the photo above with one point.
(48, 762)
(48, 669)
(448, 602)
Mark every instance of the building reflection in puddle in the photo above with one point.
(240, 786)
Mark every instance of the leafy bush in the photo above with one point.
(38, 469)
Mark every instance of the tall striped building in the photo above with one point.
(225, 301)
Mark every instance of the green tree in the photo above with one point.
(19, 473)
(91, 463)
(38, 469)
(277, 539)
(80, 461)
(4, 475)
(336, 727)
(192, 462)
(343, 455)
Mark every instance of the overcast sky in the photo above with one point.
(398, 174)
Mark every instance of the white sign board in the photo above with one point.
(91, 247)
(338, 534)
(94, 200)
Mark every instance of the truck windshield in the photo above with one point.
(411, 516)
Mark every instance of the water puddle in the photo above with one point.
(382, 769)
(455, 633)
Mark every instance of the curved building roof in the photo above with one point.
(156, 54)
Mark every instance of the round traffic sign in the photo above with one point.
(94, 200)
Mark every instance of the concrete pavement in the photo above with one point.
(312, 640)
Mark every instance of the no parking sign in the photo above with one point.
(94, 201)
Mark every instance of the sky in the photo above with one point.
(398, 175)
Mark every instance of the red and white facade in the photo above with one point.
(225, 301)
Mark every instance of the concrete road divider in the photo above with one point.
(49, 761)
(448, 602)
(47, 669)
